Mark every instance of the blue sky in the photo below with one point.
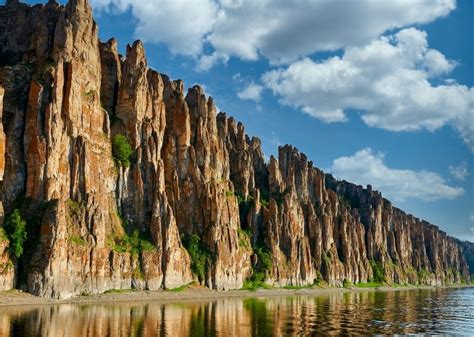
(375, 92)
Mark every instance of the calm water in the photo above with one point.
(414, 312)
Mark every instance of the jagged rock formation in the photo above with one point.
(66, 96)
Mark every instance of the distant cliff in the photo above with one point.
(124, 180)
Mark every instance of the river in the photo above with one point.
(434, 311)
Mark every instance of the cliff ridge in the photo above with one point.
(125, 180)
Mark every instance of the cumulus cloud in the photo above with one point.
(366, 167)
(388, 80)
(281, 30)
(252, 92)
(460, 171)
(180, 25)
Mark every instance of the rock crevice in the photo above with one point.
(98, 221)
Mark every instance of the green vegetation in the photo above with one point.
(369, 284)
(200, 256)
(135, 243)
(327, 259)
(319, 282)
(138, 272)
(264, 264)
(423, 274)
(229, 194)
(31, 211)
(279, 197)
(244, 238)
(255, 283)
(379, 274)
(121, 149)
(75, 208)
(48, 69)
(411, 271)
(8, 266)
(44, 75)
(15, 227)
(244, 206)
(264, 257)
(264, 202)
(90, 95)
(240, 198)
(181, 288)
(347, 284)
(454, 272)
(77, 240)
(3, 235)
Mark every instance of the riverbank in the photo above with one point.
(192, 293)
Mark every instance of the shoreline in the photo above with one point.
(17, 298)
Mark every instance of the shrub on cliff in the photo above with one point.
(264, 258)
(377, 268)
(134, 243)
(200, 256)
(16, 231)
(263, 266)
(3, 235)
(121, 149)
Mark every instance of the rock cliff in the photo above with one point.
(126, 180)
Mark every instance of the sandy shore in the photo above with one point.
(18, 298)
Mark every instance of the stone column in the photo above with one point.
(2, 154)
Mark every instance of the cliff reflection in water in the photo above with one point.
(418, 311)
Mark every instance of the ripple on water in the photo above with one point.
(438, 311)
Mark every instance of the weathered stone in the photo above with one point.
(64, 97)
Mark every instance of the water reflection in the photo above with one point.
(417, 311)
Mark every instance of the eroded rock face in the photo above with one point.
(66, 96)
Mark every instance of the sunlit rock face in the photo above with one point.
(193, 172)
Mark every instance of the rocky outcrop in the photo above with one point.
(468, 252)
(126, 180)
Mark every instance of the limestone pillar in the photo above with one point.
(2, 154)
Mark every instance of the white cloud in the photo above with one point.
(181, 25)
(366, 167)
(436, 63)
(460, 171)
(387, 79)
(206, 62)
(251, 92)
(471, 217)
(281, 31)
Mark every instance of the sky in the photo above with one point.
(374, 92)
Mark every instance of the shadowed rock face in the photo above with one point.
(65, 96)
